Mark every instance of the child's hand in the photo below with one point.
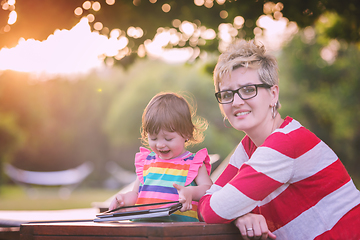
(117, 202)
(126, 199)
(185, 197)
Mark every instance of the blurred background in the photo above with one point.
(76, 75)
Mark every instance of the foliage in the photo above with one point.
(320, 88)
(58, 118)
(43, 17)
(11, 136)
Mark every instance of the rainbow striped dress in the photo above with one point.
(157, 177)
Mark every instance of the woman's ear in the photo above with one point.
(274, 92)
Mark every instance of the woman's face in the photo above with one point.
(248, 115)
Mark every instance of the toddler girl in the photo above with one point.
(169, 172)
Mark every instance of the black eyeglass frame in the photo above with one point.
(263, 85)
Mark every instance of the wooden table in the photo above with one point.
(9, 233)
(128, 230)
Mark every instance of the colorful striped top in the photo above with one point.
(294, 180)
(157, 177)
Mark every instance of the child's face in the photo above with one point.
(167, 145)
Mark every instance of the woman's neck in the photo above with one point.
(259, 135)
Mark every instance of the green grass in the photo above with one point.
(16, 198)
(13, 197)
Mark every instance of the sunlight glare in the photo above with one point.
(187, 28)
(156, 48)
(276, 31)
(12, 17)
(115, 33)
(135, 32)
(208, 34)
(65, 52)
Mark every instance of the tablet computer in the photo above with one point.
(139, 211)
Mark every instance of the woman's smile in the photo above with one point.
(241, 113)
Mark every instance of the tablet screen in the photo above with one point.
(141, 209)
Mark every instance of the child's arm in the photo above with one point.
(190, 193)
(126, 199)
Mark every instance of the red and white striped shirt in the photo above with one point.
(294, 180)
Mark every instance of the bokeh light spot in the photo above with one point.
(7, 28)
(166, 8)
(98, 26)
(110, 2)
(176, 23)
(209, 3)
(78, 11)
(90, 17)
(86, 5)
(96, 6)
(239, 21)
(224, 14)
(199, 2)
(187, 28)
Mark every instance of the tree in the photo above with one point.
(11, 139)
(319, 76)
(38, 19)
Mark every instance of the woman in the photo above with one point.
(282, 181)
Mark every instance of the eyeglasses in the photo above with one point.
(245, 93)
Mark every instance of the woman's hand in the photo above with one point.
(253, 226)
(185, 197)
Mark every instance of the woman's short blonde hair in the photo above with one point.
(248, 54)
(171, 112)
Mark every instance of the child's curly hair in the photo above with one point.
(172, 112)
